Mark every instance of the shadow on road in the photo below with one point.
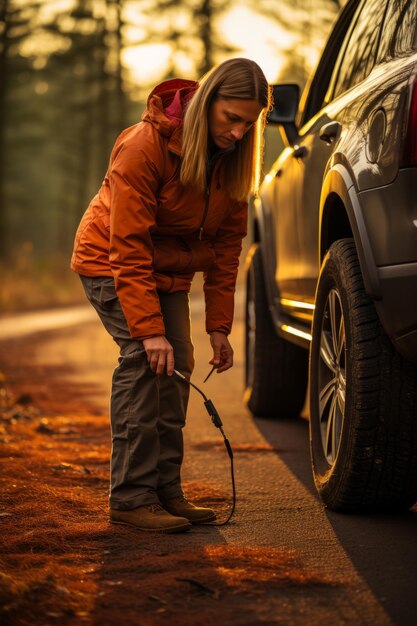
(382, 547)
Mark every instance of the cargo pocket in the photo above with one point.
(103, 292)
(108, 296)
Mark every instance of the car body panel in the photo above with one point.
(351, 185)
(390, 215)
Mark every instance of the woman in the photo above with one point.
(173, 202)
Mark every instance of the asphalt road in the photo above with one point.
(371, 560)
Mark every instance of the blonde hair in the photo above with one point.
(236, 78)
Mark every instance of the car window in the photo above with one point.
(314, 94)
(399, 35)
(359, 54)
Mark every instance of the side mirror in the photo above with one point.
(286, 99)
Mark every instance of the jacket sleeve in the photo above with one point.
(134, 178)
(220, 281)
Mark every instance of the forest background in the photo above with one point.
(74, 73)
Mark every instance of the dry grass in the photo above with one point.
(63, 563)
(30, 283)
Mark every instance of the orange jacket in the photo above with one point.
(148, 232)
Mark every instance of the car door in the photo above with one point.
(285, 191)
(286, 231)
(322, 134)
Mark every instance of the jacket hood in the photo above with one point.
(166, 103)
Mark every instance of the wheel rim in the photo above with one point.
(250, 332)
(332, 376)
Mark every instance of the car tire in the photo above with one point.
(275, 370)
(363, 399)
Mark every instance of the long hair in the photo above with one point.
(236, 78)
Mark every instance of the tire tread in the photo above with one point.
(379, 468)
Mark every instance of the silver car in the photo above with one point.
(332, 273)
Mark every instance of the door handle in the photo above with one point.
(299, 152)
(329, 132)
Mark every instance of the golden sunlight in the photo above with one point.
(254, 36)
(258, 38)
(146, 59)
(146, 63)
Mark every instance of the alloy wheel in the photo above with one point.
(332, 376)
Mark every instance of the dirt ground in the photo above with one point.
(63, 563)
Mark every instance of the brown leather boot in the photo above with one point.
(195, 514)
(151, 518)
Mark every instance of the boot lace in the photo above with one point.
(154, 508)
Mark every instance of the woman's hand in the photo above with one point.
(222, 352)
(160, 354)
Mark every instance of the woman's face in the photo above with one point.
(229, 119)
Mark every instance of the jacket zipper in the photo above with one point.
(201, 229)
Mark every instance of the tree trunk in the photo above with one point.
(206, 32)
(4, 46)
(121, 121)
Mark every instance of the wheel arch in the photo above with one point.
(341, 216)
(335, 223)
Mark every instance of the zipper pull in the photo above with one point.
(200, 234)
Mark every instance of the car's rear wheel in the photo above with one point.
(275, 370)
(363, 397)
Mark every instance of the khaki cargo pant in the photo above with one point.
(147, 412)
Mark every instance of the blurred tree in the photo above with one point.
(310, 21)
(15, 25)
(4, 40)
(191, 28)
(88, 103)
(193, 31)
(78, 78)
(64, 99)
